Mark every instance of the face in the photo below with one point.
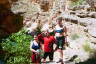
(47, 34)
(36, 38)
(59, 22)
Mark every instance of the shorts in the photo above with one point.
(50, 54)
(60, 41)
(35, 58)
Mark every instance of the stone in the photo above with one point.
(87, 7)
(72, 12)
(92, 14)
(44, 5)
(82, 15)
(92, 31)
(85, 21)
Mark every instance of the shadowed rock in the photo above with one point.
(9, 22)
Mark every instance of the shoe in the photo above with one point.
(60, 61)
(51, 60)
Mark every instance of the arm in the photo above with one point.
(40, 37)
(41, 46)
(55, 48)
(65, 30)
(55, 44)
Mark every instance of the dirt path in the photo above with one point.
(56, 58)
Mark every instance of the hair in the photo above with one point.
(35, 36)
(60, 18)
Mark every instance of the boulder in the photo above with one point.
(84, 21)
(92, 31)
(92, 14)
(72, 12)
(93, 40)
(82, 15)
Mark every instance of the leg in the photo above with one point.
(60, 48)
(44, 56)
(33, 57)
(61, 54)
(38, 59)
(62, 41)
(51, 56)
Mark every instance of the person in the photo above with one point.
(35, 47)
(51, 30)
(60, 34)
(48, 45)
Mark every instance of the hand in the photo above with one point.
(66, 43)
(54, 50)
(34, 29)
(36, 52)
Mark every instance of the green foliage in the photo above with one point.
(38, 30)
(87, 48)
(74, 36)
(77, 60)
(17, 48)
(74, 3)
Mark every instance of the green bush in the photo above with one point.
(87, 48)
(78, 2)
(74, 36)
(17, 47)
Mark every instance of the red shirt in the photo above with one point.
(48, 43)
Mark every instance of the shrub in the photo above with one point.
(74, 3)
(74, 36)
(87, 48)
(17, 48)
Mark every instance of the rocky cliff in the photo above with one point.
(80, 21)
(9, 22)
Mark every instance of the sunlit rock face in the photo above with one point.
(79, 22)
(9, 22)
(44, 5)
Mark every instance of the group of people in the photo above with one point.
(46, 37)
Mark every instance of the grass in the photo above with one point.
(74, 36)
(74, 3)
(87, 48)
(77, 60)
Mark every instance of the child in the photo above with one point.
(35, 48)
